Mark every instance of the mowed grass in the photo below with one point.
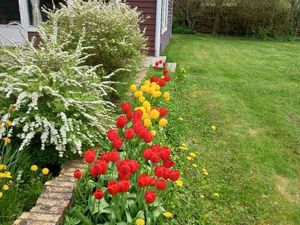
(250, 90)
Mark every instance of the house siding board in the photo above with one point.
(166, 36)
(148, 9)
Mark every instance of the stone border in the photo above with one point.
(57, 196)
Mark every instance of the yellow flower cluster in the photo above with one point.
(34, 168)
(5, 179)
(144, 95)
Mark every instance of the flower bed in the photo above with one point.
(131, 176)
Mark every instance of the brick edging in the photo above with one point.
(56, 198)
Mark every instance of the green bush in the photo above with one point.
(112, 30)
(57, 99)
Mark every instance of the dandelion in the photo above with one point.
(205, 172)
(2, 167)
(194, 165)
(192, 154)
(1, 194)
(140, 222)
(189, 158)
(213, 127)
(168, 215)
(216, 195)
(45, 171)
(183, 148)
(5, 187)
(34, 168)
(179, 183)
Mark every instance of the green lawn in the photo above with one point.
(251, 91)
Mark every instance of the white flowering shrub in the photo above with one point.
(57, 99)
(112, 29)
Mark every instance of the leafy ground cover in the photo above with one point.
(240, 105)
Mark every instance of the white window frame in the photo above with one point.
(164, 15)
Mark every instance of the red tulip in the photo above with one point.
(165, 71)
(163, 111)
(167, 78)
(124, 185)
(129, 115)
(121, 122)
(90, 155)
(112, 134)
(174, 175)
(113, 187)
(129, 134)
(161, 184)
(150, 196)
(165, 153)
(148, 137)
(77, 174)
(162, 82)
(118, 143)
(126, 107)
(98, 194)
(154, 79)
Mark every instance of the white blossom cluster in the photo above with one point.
(57, 98)
(112, 29)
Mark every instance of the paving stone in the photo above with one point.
(31, 222)
(54, 189)
(57, 183)
(46, 217)
(53, 195)
(48, 209)
(55, 202)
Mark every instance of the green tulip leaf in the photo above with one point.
(82, 218)
(128, 216)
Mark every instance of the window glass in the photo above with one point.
(165, 13)
(9, 11)
(36, 14)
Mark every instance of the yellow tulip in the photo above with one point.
(154, 114)
(153, 133)
(146, 104)
(147, 123)
(142, 99)
(133, 88)
(163, 122)
(138, 94)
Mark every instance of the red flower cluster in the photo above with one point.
(165, 79)
(114, 137)
(156, 153)
(130, 126)
(127, 167)
(158, 64)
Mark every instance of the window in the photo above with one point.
(35, 9)
(9, 12)
(165, 15)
